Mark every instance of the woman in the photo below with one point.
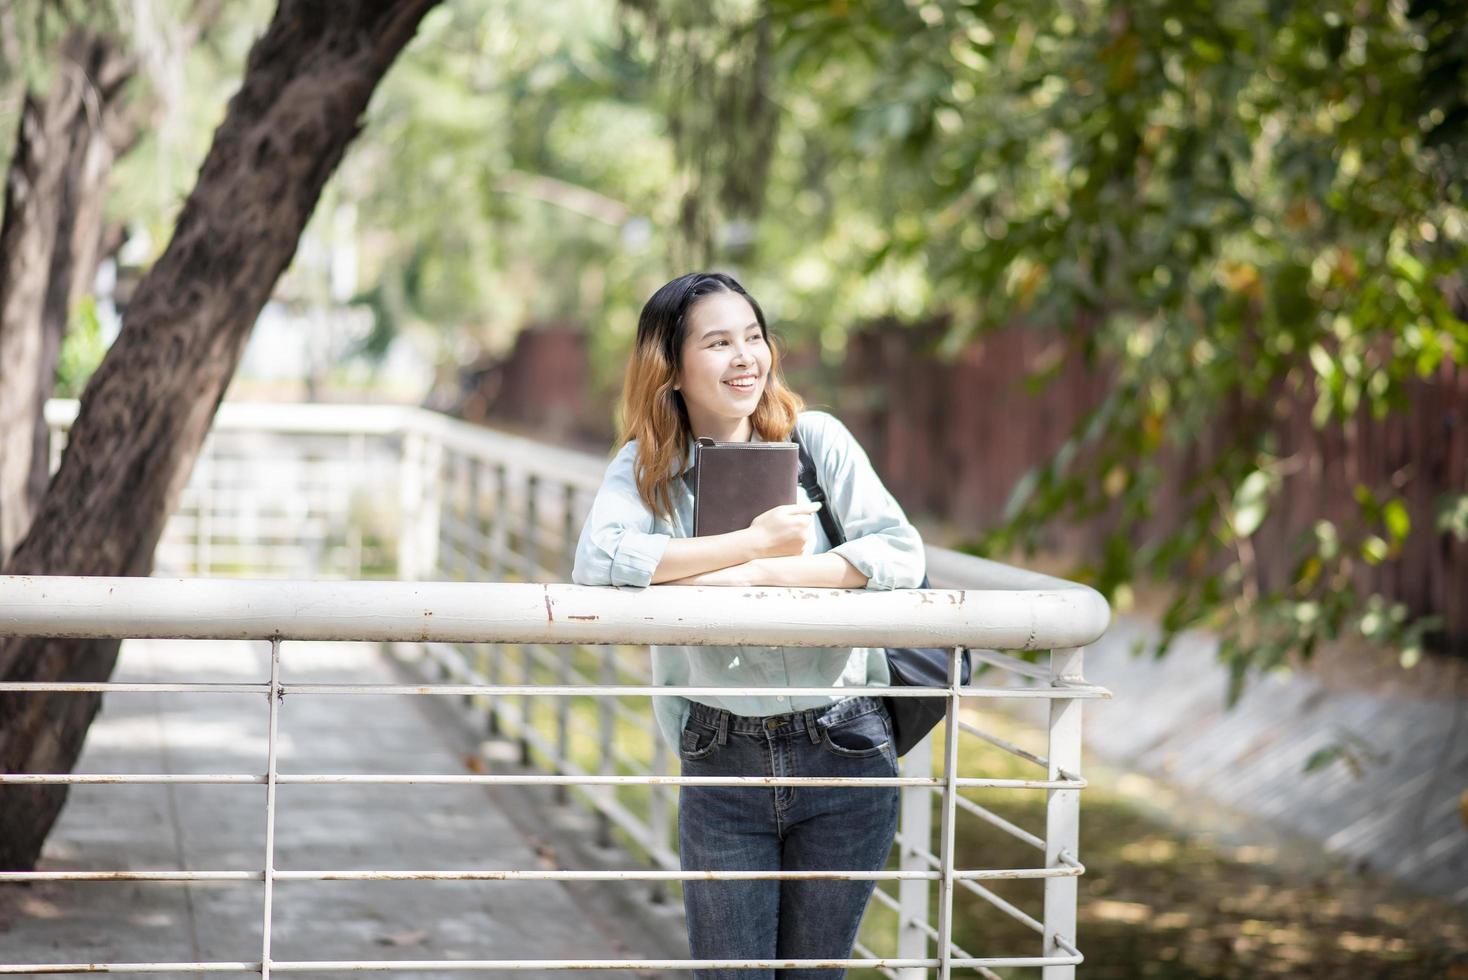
(704, 365)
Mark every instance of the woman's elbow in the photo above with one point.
(591, 570)
(912, 577)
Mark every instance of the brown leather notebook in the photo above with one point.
(735, 482)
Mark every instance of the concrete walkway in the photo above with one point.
(203, 827)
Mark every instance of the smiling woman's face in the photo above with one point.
(723, 365)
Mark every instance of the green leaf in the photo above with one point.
(1322, 757)
(1251, 503)
(1452, 515)
(1398, 522)
(1024, 489)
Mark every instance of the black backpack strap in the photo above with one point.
(811, 484)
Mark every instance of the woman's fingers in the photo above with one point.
(786, 529)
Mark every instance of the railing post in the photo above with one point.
(274, 697)
(204, 511)
(429, 515)
(659, 814)
(529, 544)
(563, 705)
(950, 815)
(410, 503)
(530, 534)
(1062, 812)
(462, 505)
(606, 736)
(916, 833)
(474, 520)
(497, 537)
(357, 452)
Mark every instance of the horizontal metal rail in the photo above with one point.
(527, 779)
(972, 874)
(557, 690)
(237, 609)
(378, 966)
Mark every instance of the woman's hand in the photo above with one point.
(784, 530)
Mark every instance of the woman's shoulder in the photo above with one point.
(622, 461)
(818, 429)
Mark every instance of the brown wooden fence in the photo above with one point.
(952, 436)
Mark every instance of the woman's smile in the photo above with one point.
(744, 384)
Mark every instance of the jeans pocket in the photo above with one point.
(698, 741)
(861, 737)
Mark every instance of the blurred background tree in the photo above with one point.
(1246, 223)
(1231, 207)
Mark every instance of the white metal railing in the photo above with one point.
(483, 506)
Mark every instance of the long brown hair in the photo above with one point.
(655, 415)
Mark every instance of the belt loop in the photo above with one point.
(723, 727)
(811, 728)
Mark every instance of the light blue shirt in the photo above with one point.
(622, 543)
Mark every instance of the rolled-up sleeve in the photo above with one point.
(618, 544)
(880, 543)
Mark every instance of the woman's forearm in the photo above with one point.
(812, 571)
(824, 571)
(685, 557)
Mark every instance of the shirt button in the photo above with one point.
(779, 697)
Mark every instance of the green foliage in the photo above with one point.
(1234, 206)
(510, 172)
(1351, 750)
(81, 350)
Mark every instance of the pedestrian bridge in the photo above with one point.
(361, 724)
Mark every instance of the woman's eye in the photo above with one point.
(719, 343)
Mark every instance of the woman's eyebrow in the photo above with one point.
(724, 331)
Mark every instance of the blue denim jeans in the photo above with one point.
(745, 828)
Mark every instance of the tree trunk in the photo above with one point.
(147, 409)
(33, 191)
(64, 152)
(101, 130)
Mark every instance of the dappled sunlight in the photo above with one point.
(151, 920)
(206, 661)
(1112, 911)
(39, 908)
(1370, 944)
(182, 733)
(1252, 854)
(1152, 850)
